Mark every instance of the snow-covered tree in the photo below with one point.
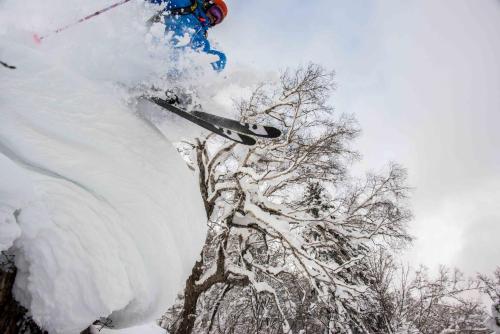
(290, 229)
(491, 287)
(408, 301)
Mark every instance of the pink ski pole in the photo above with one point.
(38, 39)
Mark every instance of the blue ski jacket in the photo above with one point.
(195, 25)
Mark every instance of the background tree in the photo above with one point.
(412, 301)
(491, 287)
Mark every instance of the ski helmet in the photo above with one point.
(222, 5)
(217, 10)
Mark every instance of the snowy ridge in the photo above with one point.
(101, 212)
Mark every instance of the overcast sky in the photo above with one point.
(423, 79)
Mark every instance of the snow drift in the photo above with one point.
(102, 214)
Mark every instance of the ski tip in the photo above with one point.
(240, 138)
(272, 132)
(37, 39)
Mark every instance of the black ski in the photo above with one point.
(245, 128)
(7, 65)
(215, 128)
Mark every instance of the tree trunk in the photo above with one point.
(13, 319)
(191, 295)
(8, 308)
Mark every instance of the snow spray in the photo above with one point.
(38, 39)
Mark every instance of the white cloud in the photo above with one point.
(423, 78)
(441, 78)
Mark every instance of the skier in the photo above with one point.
(193, 18)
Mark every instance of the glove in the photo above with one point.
(220, 64)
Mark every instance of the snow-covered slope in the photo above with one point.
(104, 217)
